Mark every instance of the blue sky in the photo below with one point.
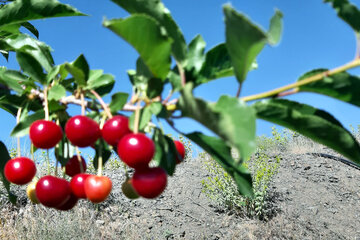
(313, 37)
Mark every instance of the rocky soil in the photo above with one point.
(312, 197)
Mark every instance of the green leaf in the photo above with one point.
(22, 128)
(275, 29)
(148, 38)
(175, 80)
(4, 158)
(195, 55)
(101, 83)
(347, 12)
(56, 93)
(31, 67)
(165, 154)
(57, 71)
(313, 123)
(217, 64)
(154, 88)
(79, 69)
(230, 118)
(157, 10)
(101, 150)
(244, 41)
(118, 101)
(12, 79)
(31, 28)
(144, 119)
(222, 154)
(341, 86)
(37, 49)
(21, 11)
(55, 106)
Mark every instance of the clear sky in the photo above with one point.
(313, 37)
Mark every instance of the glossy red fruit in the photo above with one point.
(72, 167)
(97, 188)
(136, 150)
(149, 183)
(69, 204)
(77, 184)
(53, 191)
(45, 134)
(181, 151)
(82, 131)
(20, 170)
(114, 129)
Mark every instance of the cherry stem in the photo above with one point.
(79, 159)
(137, 118)
(103, 104)
(100, 161)
(32, 152)
(182, 74)
(82, 104)
(126, 171)
(18, 138)
(48, 161)
(56, 168)
(46, 105)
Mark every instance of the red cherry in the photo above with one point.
(69, 204)
(20, 170)
(72, 167)
(149, 183)
(82, 131)
(53, 191)
(77, 184)
(114, 129)
(45, 134)
(181, 151)
(97, 188)
(136, 150)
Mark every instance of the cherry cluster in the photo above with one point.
(134, 149)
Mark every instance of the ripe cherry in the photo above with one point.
(136, 150)
(97, 188)
(69, 204)
(72, 167)
(82, 131)
(77, 184)
(181, 151)
(128, 189)
(53, 191)
(149, 183)
(114, 129)
(20, 170)
(45, 134)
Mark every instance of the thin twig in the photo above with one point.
(317, 77)
(239, 90)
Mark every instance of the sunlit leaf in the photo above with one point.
(148, 38)
(313, 123)
(244, 41)
(222, 154)
(157, 10)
